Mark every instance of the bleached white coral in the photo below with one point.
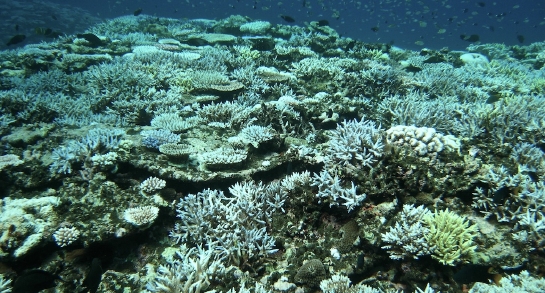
(294, 180)
(355, 143)
(223, 156)
(406, 237)
(173, 122)
(5, 285)
(256, 288)
(523, 282)
(428, 289)
(31, 217)
(341, 284)
(330, 187)
(141, 216)
(65, 236)
(9, 160)
(152, 184)
(535, 221)
(255, 27)
(234, 225)
(255, 134)
(423, 140)
(104, 160)
(189, 270)
(223, 115)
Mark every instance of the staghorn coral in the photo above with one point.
(406, 237)
(97, 141)
(355, 143)
(330, 187)
(450, 236)
(444, 235)
(188, 270)
(5, 285)
(235, 226)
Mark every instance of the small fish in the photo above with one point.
(137, 12)
(16, 40)
(520, 38)
(323, 22)
(470, 38)
(34, 281)
(16, 27)
(54, 17)
(501, 194)
(91, 38)
(474, 273)
(375, 29)
(93, 278)
(287, 18)
(43, 31)
(481, 4)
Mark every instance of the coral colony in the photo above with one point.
(240, 156)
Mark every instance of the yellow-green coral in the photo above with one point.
(450, 236)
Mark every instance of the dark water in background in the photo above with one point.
(401, 22)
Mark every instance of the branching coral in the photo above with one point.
(450, 236)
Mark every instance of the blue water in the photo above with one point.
(400, 22)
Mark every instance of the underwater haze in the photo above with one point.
(407, 24)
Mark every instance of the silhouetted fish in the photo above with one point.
(137, 12)
(475, 273)
(375, 29)
(91, 38)
(16, 39)
(323, 22)
(481, 4)
(470, 38)
(93, 278)
(34, 281)
(501, 195)
(520, 38)
(43, 31)
(287, 18)
(16, 27)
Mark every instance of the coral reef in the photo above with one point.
(276, 157)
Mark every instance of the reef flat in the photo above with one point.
(236, 155)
